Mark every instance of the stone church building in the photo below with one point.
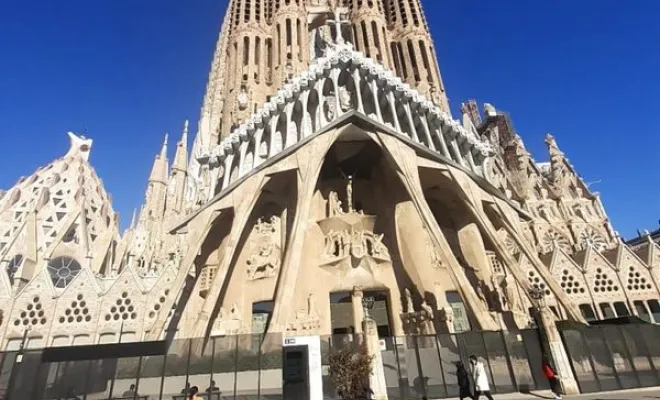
(326, 168)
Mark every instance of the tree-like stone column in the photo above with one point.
(377, 376)
(358, 311)
(553, 345)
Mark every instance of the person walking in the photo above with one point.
(481, 385)
(464, 390)
(192, 395)
(553, 379)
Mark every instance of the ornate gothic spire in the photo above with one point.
(557, 165)
(159, 171)
(181, 156)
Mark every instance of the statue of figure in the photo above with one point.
(428, 309)
(435, 96)
(345, 100)
(311, 304)
(509, 293)
(349, 193)
(329, 106)
(379, 249)
(334, 205)
(222, 314)
(288, 71)
(409, 302)
(448, 318)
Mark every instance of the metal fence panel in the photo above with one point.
(450, 355)
(390, 356)
(620, 357)
(650, 334)
(519, 361)
(639, 355)
(580, 357)
(602, 359)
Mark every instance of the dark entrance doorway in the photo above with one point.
(295, 373)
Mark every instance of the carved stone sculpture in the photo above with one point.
(409, 302)
(334, 205)
(509, 288)
(228, 324)
(265, 263)
(345, 100)
(306, 321)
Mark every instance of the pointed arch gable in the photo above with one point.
(635, 277)
(77, 308)
(33, 307)
(123, 304)
(157, 296)
(602, 277)
(569, 276)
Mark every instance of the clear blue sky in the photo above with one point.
(127, 71)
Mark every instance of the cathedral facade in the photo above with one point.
(326, 173)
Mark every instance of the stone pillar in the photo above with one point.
(358, 310)
(473, 249)
(555, 348)
(377, 376)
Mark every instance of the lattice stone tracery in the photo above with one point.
(33, 314)
(551, 239)
(123, 309)
(536, 282)
(77, 312)
(604, 283)
(637, 282)
(570, 284)
(159, 304)
(590, 238)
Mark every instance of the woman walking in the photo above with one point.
(551, 375)
(481, 385)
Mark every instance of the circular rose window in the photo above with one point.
(62, 270)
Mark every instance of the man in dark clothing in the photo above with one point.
(463, 381)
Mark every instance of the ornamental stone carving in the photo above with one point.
(354, 243)
(265, 260)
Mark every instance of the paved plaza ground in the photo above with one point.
(645, 393)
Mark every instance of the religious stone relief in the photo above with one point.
(345, 100)
(306, 321)
(330, 107)
(230, 323)
(434, 253)
(265, 261)
(349, 233)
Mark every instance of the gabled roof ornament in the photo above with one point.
(80, 145)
